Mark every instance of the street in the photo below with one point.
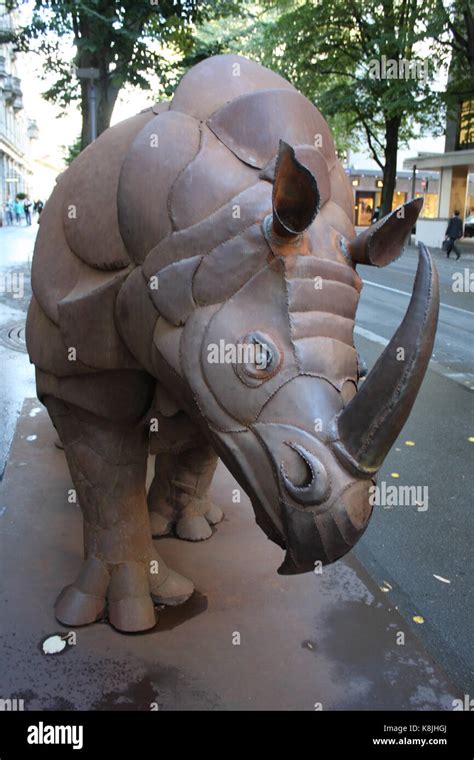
(408, 546)
(419, 555)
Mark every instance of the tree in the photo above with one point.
(339, 53)
(452, 29)
(224, 32)
(124, 40)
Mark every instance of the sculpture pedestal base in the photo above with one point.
(304, 640)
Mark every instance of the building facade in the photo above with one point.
(16, 131)
(367, 189)
(456, 173)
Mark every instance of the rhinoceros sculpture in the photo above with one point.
(195, 277)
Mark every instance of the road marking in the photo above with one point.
(369, 335)
(404, 293)
(466, 379)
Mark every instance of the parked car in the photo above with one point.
(469, 226)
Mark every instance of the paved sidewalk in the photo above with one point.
(327, 639)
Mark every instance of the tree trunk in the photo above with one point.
(392, 127)
(106, 99)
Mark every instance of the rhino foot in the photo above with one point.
(178, 498)
(125, 593)
(193, 528)
(190, 527)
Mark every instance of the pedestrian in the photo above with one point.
(18, 210)
(9, 212)
(375, 215)
(453, 232)
(38, 207)
(27, 209)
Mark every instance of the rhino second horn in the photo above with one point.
(383, 242)
(368, 426)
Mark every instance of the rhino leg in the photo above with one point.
(122, 574)
(178, 497)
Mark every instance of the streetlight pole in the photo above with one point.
(93, 108)
(91, 74)
(413, 181)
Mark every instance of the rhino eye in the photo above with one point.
(264, 356)
(258, 360)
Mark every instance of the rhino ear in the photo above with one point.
(295, 194)
(384, 241)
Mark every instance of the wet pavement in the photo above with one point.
(249, 638)
(329, 639)
(16, 373)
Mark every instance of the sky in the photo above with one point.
(56, 128)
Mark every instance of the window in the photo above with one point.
(466, 125)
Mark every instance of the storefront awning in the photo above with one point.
(438, 161)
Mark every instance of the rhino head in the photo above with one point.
(267, 357)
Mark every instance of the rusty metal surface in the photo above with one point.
(328, 639)
(216, 81)
(226, 224)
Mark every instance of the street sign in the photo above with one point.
(87, 73)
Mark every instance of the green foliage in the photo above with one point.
(114, 37)
(124, 40)
(452, 28)
(326, 49)
(73, 150)
(225, 32)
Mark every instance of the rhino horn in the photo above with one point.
(367, 427)
(383, 242)
(295, 196)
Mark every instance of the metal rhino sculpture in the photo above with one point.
(221, 220)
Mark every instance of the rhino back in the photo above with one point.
(80, 262)
(163, 186)
(242, 111)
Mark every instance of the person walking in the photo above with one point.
(27, 209)
(375, 215)
(9, 212)
(18, 211)
(454, 231)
